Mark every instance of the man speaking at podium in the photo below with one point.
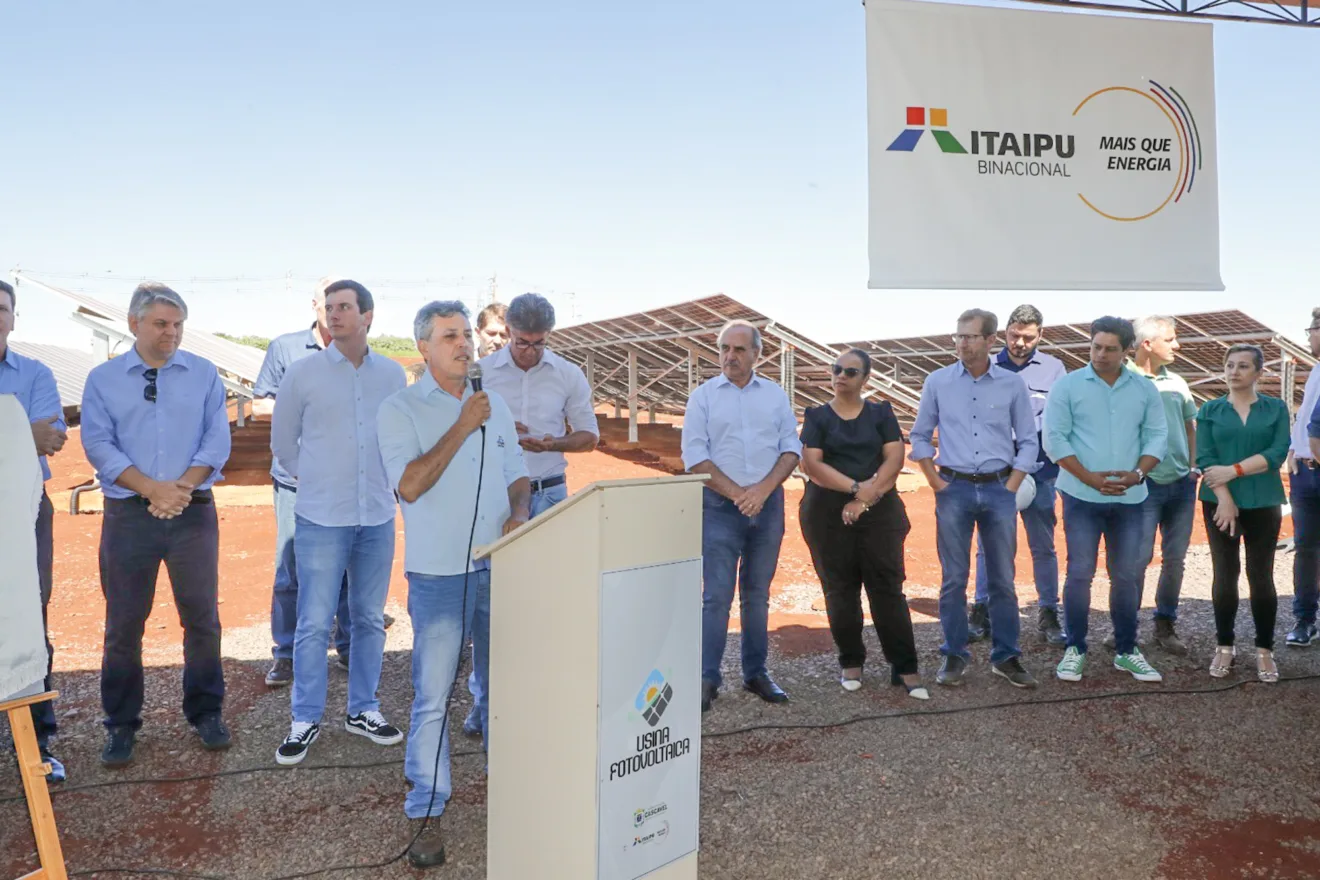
(451, 451)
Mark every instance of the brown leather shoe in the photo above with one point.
(428, 848)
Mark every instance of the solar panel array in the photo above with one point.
(69, 365)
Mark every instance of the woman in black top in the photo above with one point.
(855, 524)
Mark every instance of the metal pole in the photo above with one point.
(632, 396)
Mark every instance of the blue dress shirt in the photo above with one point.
(187, 426)
(1040, 373)
(743, 431)
(1108, 428)
(437, 524)
(985, 424)
(323, 433)
(33, 384)
(283, 351)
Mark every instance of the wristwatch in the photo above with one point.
(1141, 475)
(855, 488)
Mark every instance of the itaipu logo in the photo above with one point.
(1126, 153)
(653, 699)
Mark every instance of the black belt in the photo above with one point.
(203, 497)
(1309, 463)
(950, 474)
(547, 483)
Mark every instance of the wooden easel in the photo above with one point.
(33, 771)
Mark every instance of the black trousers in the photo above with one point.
(43, 714)
(866, 554)
(133, 545)
(1259, 530)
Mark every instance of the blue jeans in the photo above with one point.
(1304, 494)
(1039, 521)
(325, 553)
(1084, 522)
(741, 551)
(284, 598)
(990, 509)
(541, 502)
(442, 624)
(1170, 508)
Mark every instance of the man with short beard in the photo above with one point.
(1040, 371)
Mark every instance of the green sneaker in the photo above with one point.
(1070, 667)
(1137, 665)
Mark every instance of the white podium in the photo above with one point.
(595, 696)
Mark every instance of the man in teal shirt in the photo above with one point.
(1105, 428)
(1170, 505)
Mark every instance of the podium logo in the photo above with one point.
(653, 699)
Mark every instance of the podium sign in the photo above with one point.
(650, 725)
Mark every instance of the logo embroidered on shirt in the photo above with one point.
(499, 441)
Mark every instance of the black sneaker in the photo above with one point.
(1166, 638)
(341, 661)
(951, 671)
(978, 622)
(1302, 635)
(118, 751)
(281, 673)
(214, 733)
(295, 745)
(57, 773)
(472, 724)
(374, 727)
(389, 621)
(428, 846)
(1013, 670)
(1047, 625)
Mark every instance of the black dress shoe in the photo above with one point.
(118, 751)
(708, 694)
(978, 622)
(951, 671)
(214, 733)
(428, 847)
(765, 688)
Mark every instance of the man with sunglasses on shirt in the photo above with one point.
(551, 404)
(155, 428)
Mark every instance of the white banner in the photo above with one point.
(1033, 150)
(648, 791)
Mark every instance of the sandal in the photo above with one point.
(850, 684)
(1266, 670)
(1223, 661)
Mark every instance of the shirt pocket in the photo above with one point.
(999, 414)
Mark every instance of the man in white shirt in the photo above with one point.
(1304, 497)
(740, 429)
(551, 404)
(447, 474)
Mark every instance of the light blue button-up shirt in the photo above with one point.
(324, 434)
(1108, 428)
(186, 427)
(437, 525)
(283, 351)
(33, 384)
(743, 431)
(985, 424)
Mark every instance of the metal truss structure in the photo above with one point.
(654, 359)
(1203, 337)
(1299, 13)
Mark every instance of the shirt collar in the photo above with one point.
(314, 338)
(1124, 375)
(722, 379)
(7, 361)
(1003, 360)
(427, 386)
(133, 360)
(961, 368)
(337, 356)
(1161, 373)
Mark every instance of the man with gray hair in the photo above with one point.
(155, 428)
(280, 354)
(1170, 505)
(551, 404)
(741, 430)
(451, 454)
(324, 435)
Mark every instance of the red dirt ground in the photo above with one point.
(247, 535)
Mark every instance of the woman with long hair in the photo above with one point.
(1241, 442)
(855, 524)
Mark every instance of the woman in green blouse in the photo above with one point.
(1241, 443)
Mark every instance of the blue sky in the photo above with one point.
(631, 155)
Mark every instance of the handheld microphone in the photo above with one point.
(474, 378)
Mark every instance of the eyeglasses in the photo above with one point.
(523, 344)
(1313, 327)
(850, 372)
(967, 337)
(149, 393)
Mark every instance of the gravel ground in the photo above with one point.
(1159, 785)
